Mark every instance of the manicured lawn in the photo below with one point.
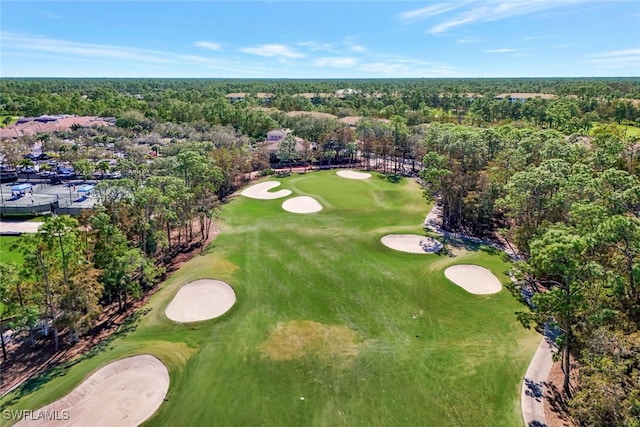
(6, 253)
(383, 338)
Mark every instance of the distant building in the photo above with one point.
(276, 136)
(522, 97)
(264, 98)
(49, 124)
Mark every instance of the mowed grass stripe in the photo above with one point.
(428, 353)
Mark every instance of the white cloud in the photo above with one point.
(617, 58)
(426, 12)
(43, 44)
(336, 62)
(272, 50)
(619, 53)
(467, 41)
(468, 12)
(315, 46)
(504, 50)
(398, 67)
(356, 48)
(48, 14)
(72, 52)
(208, 45)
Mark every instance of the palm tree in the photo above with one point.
(27, 164)
(103, 166)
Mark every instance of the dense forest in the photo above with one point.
(576, 103)
(556, 176)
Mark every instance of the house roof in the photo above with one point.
(273, 147)
(279, 132)
(47, 124)
(526, 95)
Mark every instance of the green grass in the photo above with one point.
(12, 120)
(630, 131)
(6, 253)
(425, 351)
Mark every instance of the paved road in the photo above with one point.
(533, 386)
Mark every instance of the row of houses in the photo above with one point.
(522, 97)
(267, 98)
(27, 126)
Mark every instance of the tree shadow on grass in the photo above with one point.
(391, 177)
(53, 369)
(470, 244)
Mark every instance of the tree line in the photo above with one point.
(579, 102)
(571, 207)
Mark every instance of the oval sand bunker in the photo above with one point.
(261, 191)
(302, 204)
(122, 393)
(474, 279)
(411, 243)
(353, 174)
(201, 300)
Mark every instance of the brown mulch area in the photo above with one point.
(555, 402)
(25, 361)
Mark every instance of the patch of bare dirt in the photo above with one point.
(300, 338)
(555, 402)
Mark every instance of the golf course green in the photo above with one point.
(330, 327)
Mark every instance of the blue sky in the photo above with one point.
(320, 39)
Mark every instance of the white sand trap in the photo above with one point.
(122, 393)
(261, 191)
(474, 279)
(302, 204)
(412, 243)
(201, 300)
(353, 174)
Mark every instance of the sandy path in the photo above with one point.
(122, 393)
(19, 226)
(261, 191)
(411, 243)
(302, 204)
(474, 279)
(201, 300)
(353, 174)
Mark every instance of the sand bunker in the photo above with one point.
(412, 243)
(353, 174)
(122, 393)
(474, 279)
(201, 300)
(261, 191)
(302, 204)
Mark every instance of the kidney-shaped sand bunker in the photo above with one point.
(262, 191)
(123, 393)
(302, 205)
(201, 300)
(411, 243)
(474, 279)
(349, 174)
